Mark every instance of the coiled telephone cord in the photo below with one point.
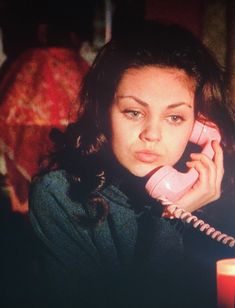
(172, 210)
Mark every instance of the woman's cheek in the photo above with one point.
(176, 149)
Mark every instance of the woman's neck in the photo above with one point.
(132, 186)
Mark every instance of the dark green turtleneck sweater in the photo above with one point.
(133, 259)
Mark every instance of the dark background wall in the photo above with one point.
(211, 20)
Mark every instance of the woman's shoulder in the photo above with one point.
(51, 179)
(50, 191)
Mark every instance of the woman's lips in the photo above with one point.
(147, 157)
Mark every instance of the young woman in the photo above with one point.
(102, 239)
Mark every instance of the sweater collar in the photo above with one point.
(128, 190)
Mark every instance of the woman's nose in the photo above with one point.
(151, 132)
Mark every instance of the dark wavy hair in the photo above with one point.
(83, 150)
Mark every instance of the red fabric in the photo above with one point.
(38, 92)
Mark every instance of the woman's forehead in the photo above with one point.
(179, 74)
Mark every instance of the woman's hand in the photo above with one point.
(208, 186)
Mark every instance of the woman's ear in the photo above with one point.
(200, 117)
(203, 119)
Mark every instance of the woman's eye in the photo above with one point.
(175, 119)
(133, 114)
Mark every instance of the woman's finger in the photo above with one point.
(206, 168)
(206, 182)
(219, 163)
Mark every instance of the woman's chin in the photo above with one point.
(142, 171)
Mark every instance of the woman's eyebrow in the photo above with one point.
(143, 103)
(175, 105)
(138, 100)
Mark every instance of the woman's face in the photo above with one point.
(152, 116)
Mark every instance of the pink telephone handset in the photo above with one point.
(172, 184)
(168, 185)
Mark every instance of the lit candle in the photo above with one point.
(226, 283)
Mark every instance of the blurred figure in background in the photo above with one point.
(38, 92)
(39, 85)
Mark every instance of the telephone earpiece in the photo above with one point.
(172, 184)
